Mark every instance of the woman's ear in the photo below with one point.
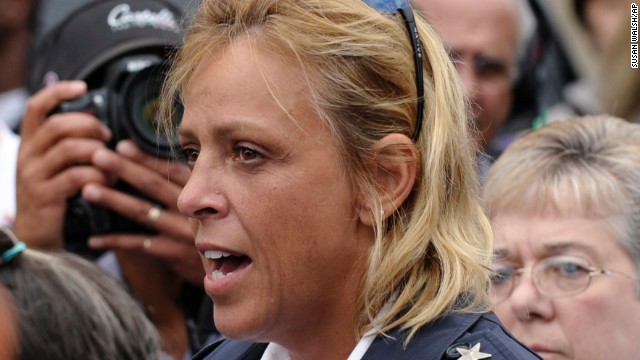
(394, 168)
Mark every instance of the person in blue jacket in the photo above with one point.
(332, 194)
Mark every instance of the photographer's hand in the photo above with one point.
(155, 267)
(162, 180)
(54, 163)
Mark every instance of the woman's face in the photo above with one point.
(267, 187)
(602, 322)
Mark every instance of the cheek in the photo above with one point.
(306, 233)
(301, 230)
(193, 223)
(584, 326)
(605, 320)
(588, 319)
(496, 106)
(289, 218)
(504, 313)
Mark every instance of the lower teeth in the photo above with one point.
(217, 274)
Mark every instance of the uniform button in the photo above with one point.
(452, 353)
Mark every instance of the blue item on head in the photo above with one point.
(12, 252)
(10, 246)
(404, 7)
(388, 6)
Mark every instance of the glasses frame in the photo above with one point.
(404, 8)
(593, 271)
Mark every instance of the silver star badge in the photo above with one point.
(473, 353)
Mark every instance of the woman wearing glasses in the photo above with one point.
(332, 191)
(565, 206)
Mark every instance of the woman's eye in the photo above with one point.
(190, 155)
(569, 269)
(246, 154)
(501, 276)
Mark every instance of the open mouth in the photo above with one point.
(224, 264)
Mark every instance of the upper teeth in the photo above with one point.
(211, 254)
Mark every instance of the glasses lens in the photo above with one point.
(561, 276)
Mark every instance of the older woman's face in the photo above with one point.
(602, 322)
(267, 187)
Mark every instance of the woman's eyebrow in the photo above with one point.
(568, 245)
(501, 254)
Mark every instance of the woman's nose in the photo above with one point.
(202, 196)
(526, 301)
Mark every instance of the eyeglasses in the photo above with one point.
(404, 7)
(554, 277)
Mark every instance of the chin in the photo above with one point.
(236, 326)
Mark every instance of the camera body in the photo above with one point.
(127, 105)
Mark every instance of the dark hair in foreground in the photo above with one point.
(69, 308)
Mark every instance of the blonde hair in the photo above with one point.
(588, 167)
(434, 250)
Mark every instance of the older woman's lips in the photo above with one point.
(226, 271)
(545, 352)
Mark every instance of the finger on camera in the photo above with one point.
(172, 169)
(74, 125)
(71, 125)
(169, 222)
(71, 181)
(63, 155)
(70, 152)
(139, 176)
(77, 126)
(58, 188)
(158, 246)
(45, 100)
(117, 242)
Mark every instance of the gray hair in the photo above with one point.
(588, 166)
(69, 308)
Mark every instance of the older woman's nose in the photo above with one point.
(526, 301)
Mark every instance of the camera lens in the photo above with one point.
(148, 115)
(143, 114)
(141, 96)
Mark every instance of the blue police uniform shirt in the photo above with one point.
(439, 339)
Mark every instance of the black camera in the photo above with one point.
(127, 105)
